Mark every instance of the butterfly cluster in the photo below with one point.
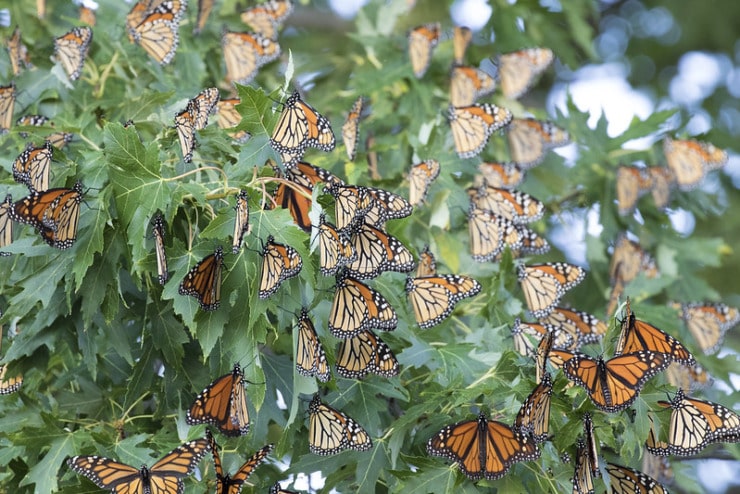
(343, 266)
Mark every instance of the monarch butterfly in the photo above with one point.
(276, 489)
(467, 84)
(153, 24)
(626, 480)
(18, 52)
(32, 167)
(427, 265)
(517, 71)
(226, 484)
(709, 322)
(663, 182)
(300, 127)
(584, 327)
(690, 160)
(331, 431)
(372, 158)
(698, 423)
(514, 205)
(6, 224)
(583, 482)
(351, 129)
(158, 231)
(421, 177)
(524, 242)
(266, 17)
(41, 8)
(310, 355)
(357, 307)
(542, 356)
(309, 175)
(204, 11)
(534, 414)
(636, 335)
(223, 403)
(279, 263)
(657, 467)
(544, 284)
(228, 117)
(653, 445)
(614, 384)
(376, 252)
(7, 102)
(59, 139)
(433, 298)
(422, 41)
(483, 447)
(194, 117)
(632, 260)
(530, 139)
(31, 121)
(365, 353)
(562, 339)
(350, 202)
(384, 206)
(687, 377)
(71, 50)
(472, 126)
(335, 248)
(204, 104)
(241, 221)
(203, 281)
(499, 175)
(590, 439)
(164, 477)
(489, 234)
(632, 183)
(55, 213)
(461, 37)
(245, 53)
(8, 386)
(295, 201)
(87, 15)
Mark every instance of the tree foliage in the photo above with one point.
(111, 360)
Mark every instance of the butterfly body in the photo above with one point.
(223, 403)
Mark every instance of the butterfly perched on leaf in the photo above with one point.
(55, 213)
(545, 284)
(691, 160)
(422, 41)
(71, 50)
(154, 25)
(204, 11)
(335, 247)
(632, 183)
(363, 354)
(531, 139)
(232, 484)
(241, 221)
(300, 127)
(357, 307)
(534, 413)
(433, 298)
(7, 104)
(331, 431)
(6, 224)
(499, 175)
(280, 262)
(32, 167)
(472, 125)
(18, 53)
(427, 265)
(164, 477)
(513, 205)
(203, 281)
(223, 404)
(483, 448)
(310, 357)
(519, 70)
(421, 177)
(461, 37)
(267, 17)
(245, 53)
(228, 118)
(351, 128)
(195, 117)
(468, 84)
(625, 480)
(709, 322)
(158, 232)
(376, 252)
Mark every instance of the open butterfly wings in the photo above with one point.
(232, 484)
(433, 298)
(331, 431)
(223, 404)
(482, 447)
(203, 281)
(267, 17)
(71, 50)
(164, 477)
(55, 214)
(614, 384)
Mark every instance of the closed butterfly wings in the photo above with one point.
(518, 71)
(300, 127)
(351, 128)
(71, 50)
(310, 355)
(7, 104)
(468, 84)
(363, 354)
(203, 281)
(55, 214)
(421, 177)
(472, 126)
(330, 431)
(544, 284)
(709, 322)
(691, 160)
(267, 17)
(280, 262)
(433, 298)
(32, 167)
(530, 139)
(223, 403)
(357, 307)
(335, 248)
(376, 252)
(6, 224)
(154, 24)
(245, 53)
(422, 41)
